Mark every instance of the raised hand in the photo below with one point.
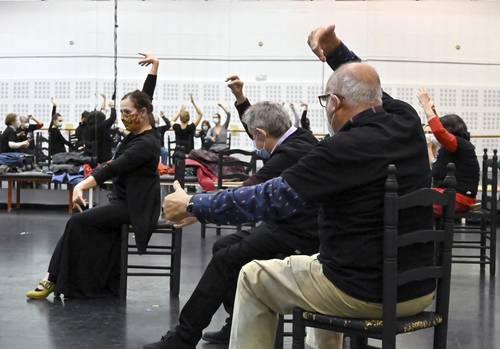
(323, 41)
(162, 113)
(236, 87)
(148, 59)
(304, 105)
(426, 102)
(53, 101)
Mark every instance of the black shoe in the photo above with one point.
(219, 337)
(170, 341)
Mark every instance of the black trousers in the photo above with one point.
(85, 262)
(218, 283)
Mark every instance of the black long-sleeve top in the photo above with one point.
(57, 141)
(162, 129)
(135, 177)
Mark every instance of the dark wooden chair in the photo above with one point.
(224, 179)
(170, 150)
(42, 157)
(480, 228)
(386, 329)
(173, 250)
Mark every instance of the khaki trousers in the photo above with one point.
(272, 287)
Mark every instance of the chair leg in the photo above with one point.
(175, 263)
(440, 334)
(124, 262)
(483, 242)
(493, 249)
(203, 230)
(298, 330)
(278, 341)
(358, 342)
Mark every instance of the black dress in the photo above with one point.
(85, 263)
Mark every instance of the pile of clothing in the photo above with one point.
(206, 165)
(69, 167)
(15, 162)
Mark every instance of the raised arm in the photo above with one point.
(176, 116)
(150, 83)
(38, 123)
(242, 103)
(444, 137)
(199, 113)
(104, 105)
(54, 107)
(296, 119)
(165, 120)
(228, 116)
(304, 120)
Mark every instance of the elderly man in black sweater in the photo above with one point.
(345, 175)
(282, 145)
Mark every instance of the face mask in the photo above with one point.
(59, 125)
(204, 128)
(132, 122)
(216, 121)
(331, 131)
(261, 152)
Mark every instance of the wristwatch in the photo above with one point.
(189, 207)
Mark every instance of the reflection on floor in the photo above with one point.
(27, 238)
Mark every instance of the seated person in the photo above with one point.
(185, 131)
(432, 143)
(85, 260)
(9, 141)
(81, 130)
(217, 135)
(451, 133)
(202, 134)
(271, 129)
(98, 134)
(57, 142)
(345, 175)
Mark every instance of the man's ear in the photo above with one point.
(260, 132)
(336, 101)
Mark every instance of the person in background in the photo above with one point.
(81, 130)
(301, 121)
(57, 142)
(217, 135)
(452, 134)
(185, 131)
(161, 132)
(345, 177)
(84, 262)
(26, 131)
(432, 144)
(202, 134)
(9, 142)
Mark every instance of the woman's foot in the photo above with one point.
(44, 288)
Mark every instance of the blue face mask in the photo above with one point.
(261, 152)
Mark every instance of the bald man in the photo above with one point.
(345, 176)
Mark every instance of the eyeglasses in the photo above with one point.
(323, 99)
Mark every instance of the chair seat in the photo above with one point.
(472, 214)
(417, 322)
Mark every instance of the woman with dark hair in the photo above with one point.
(202, 134)
(85, 262)
(57, 142)
(452, 134)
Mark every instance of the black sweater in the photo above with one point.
(285, 156)
(134, 170)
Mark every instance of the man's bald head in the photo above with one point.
(358, 83)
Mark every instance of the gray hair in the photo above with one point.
(358, 83)
(23, 118)
(268, 116)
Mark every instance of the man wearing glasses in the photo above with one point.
(345, 176)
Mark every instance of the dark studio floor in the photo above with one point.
(27, 238)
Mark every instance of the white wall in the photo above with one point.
(410, 43)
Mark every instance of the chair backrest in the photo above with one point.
(441, 236)
(489, 180)
(170, 150)
(228, 140)
(249, 167)
(41, 149)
